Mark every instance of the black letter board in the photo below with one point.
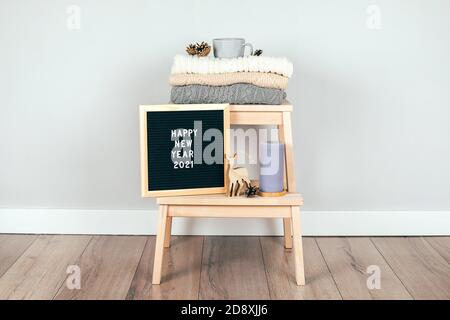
(183, 148)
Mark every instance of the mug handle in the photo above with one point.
(248, 45)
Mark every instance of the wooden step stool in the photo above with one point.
(220, 206)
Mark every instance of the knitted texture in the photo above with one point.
(234, 94)
(261, 79)
(206, 65)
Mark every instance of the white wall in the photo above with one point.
(372, 107)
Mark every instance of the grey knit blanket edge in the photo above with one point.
(239, 93)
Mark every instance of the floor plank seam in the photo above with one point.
(23, 252)
(265, 269)
(328, 268)
(76, 260)
(201, 269)
(431, 245)
(137, 266)
(390, 266)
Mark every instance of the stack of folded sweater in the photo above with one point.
(247, 80)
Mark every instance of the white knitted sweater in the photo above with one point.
(209, 65)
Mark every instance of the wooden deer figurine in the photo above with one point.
(236, 177)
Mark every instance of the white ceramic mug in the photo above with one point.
(230, 47)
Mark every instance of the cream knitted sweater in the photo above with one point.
(260, 79)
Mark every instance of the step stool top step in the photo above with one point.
(285, 106)
(290, 199)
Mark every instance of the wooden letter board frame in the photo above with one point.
(143, 110)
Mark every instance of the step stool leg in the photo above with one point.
(168, 232)
(289, 152)
(298, 247)
(287, 227)
(159, 247)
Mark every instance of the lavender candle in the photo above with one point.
(271, 161)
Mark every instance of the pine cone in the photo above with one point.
(191, 49)
(251, 191)
(203, 49)
(258, 52)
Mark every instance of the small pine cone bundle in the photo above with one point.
(199, 49)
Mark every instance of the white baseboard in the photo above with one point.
(143, 222)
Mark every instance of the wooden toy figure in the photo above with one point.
(236, 177)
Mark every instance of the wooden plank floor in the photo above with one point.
(196, 267)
